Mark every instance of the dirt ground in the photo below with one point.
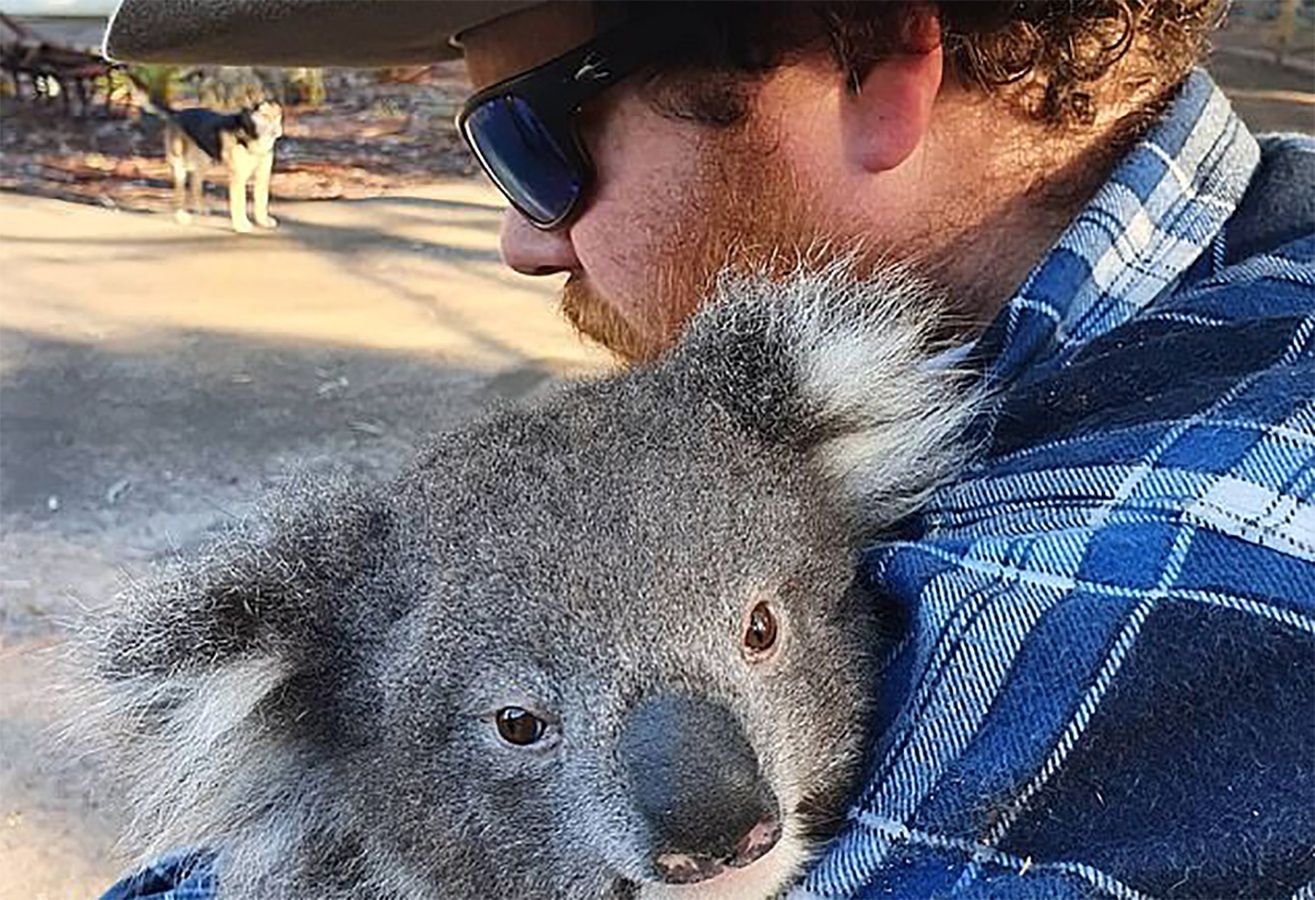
(154, 379)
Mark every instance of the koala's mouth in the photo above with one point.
(822, 815)
(763, 871)
(754, 873)
(681, 868)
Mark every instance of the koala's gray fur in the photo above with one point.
(316, 699)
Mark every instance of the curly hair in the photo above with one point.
(1061, 49)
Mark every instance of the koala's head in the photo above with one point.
(608, 646)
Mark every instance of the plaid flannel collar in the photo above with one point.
(1160, 209)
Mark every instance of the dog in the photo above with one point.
(610, 645)
(243, 142)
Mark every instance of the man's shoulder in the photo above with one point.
(1197, 412)
(1111, 613)
(1234, 328)
(1278, 209)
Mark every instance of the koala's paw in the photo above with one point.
(268, 222)
(182, 217)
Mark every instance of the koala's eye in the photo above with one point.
(518, 726)
(760, 633)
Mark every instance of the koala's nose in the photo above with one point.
(695, 779)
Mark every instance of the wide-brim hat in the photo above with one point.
(362, 33)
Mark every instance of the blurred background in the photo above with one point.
(155, 378)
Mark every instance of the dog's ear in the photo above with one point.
(840, 369)
(247, 121)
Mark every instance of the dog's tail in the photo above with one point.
(141, 97)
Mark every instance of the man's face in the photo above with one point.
(671, 202)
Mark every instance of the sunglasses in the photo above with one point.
(523, 130)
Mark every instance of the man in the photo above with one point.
(1107, 686)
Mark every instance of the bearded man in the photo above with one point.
(1106, 685)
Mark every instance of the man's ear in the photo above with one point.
(886, 117)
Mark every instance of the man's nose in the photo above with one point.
(533, 252)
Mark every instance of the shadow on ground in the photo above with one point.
(115, 457)
(94, 435)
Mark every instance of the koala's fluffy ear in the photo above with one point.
(195, 670)
(839, 368)
(257, 592)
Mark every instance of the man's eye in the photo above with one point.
(519, 727)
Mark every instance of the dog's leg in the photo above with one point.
(178, 168)
(239, 173)
(181, 193)
(260, 191)
(198, 192)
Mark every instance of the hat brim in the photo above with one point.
(357, 33)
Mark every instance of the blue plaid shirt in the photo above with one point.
(1107, 683)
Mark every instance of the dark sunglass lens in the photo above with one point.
(523, 158)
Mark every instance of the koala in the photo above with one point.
(608, 645)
